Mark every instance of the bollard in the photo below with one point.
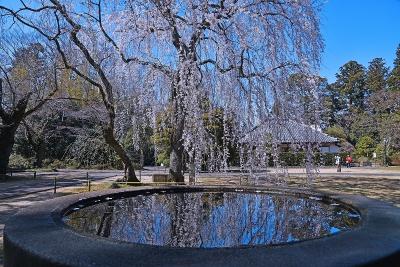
(88, 181)
(34, 175)
(55, 185)
(140, 175)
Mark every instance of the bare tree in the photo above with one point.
(28, 79)
(63, 26)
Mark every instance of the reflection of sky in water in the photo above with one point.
(334, 230)
(206, 219)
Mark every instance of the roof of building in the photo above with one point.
(289, 131)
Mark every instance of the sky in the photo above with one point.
(358, 30)
(352, 30)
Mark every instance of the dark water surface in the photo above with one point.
(212, 219)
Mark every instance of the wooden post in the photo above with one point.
(55, 185)
(34, 175)
(88, 181)
(89, 185)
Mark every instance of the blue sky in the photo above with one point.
(358, 30)
(353, 30)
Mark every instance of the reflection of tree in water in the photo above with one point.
(93, 220)
(211, 219)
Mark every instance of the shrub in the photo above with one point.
(365, 146)
(163, 158)
(363, 160)
(299, 158)
(394, 159)
(57, 164)
(19, 162)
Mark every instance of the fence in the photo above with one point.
(13, 171)
(89, 184)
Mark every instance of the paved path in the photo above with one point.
(10, 206)
(15, 195)
(45, 181)
(373, 182)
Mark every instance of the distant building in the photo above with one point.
(288, 133)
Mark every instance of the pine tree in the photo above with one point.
(331, 106)
(394, 78)
(350, 83)
(377, 74)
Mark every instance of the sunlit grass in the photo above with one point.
(93, 187)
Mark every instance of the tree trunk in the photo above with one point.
(7, 138)
(177, 149)
(176, 163)
(39, 154)
(109, 137)
(141, 158)
(176, 167)
(10, 122)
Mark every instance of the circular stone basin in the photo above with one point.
(211, 219)
(204, 226)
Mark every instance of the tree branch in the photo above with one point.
(166, 70)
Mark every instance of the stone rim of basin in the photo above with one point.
(320, 201)
(36, 236)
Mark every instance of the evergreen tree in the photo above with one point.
(351, 85)
(394, 78)
(331, 106)
(377, 74)
(365, 146)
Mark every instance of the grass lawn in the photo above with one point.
(93, 187)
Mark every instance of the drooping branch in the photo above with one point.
(165, 69)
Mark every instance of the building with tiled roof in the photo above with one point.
(289, 132)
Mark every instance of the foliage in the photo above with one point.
(395, 159)
(394, 78)
(336, 131)
(365, 103)
(350, 83)
(20, 162)
(377, 74)
(365, 147)
(296, 159)
(162, 139)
